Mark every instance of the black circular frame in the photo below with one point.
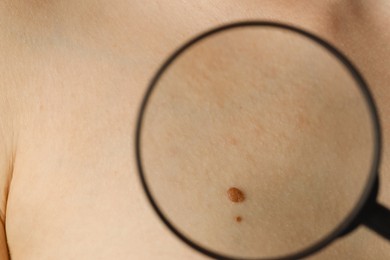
(354, 217)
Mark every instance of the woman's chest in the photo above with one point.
(75, 191)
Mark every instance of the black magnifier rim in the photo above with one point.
(367, 96)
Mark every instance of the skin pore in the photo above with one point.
(73, 75)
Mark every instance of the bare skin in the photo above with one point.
(73, 75)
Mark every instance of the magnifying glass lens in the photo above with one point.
(256, 143)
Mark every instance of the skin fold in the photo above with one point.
(72, 75)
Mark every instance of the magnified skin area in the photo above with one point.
(302, 136)
(72, 75)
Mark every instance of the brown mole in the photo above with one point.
(238, 219)
(235, 195)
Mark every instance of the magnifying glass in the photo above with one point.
(258, 140)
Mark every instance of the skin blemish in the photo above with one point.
(238, 219)
(303, 121)
(235, 195)
(231, 140)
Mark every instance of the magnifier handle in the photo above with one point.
(378, 220)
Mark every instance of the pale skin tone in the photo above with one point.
(72, 76)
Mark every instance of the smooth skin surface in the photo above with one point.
(72, 75)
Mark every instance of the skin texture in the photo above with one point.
(73, 75)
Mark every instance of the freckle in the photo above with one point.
(238, 219)
(232, 140)
(235, 195)
(250, 158)
(173, 150)
(303, 121)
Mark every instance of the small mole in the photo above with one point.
(238, 219)
(235, 195)
(232, 140)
